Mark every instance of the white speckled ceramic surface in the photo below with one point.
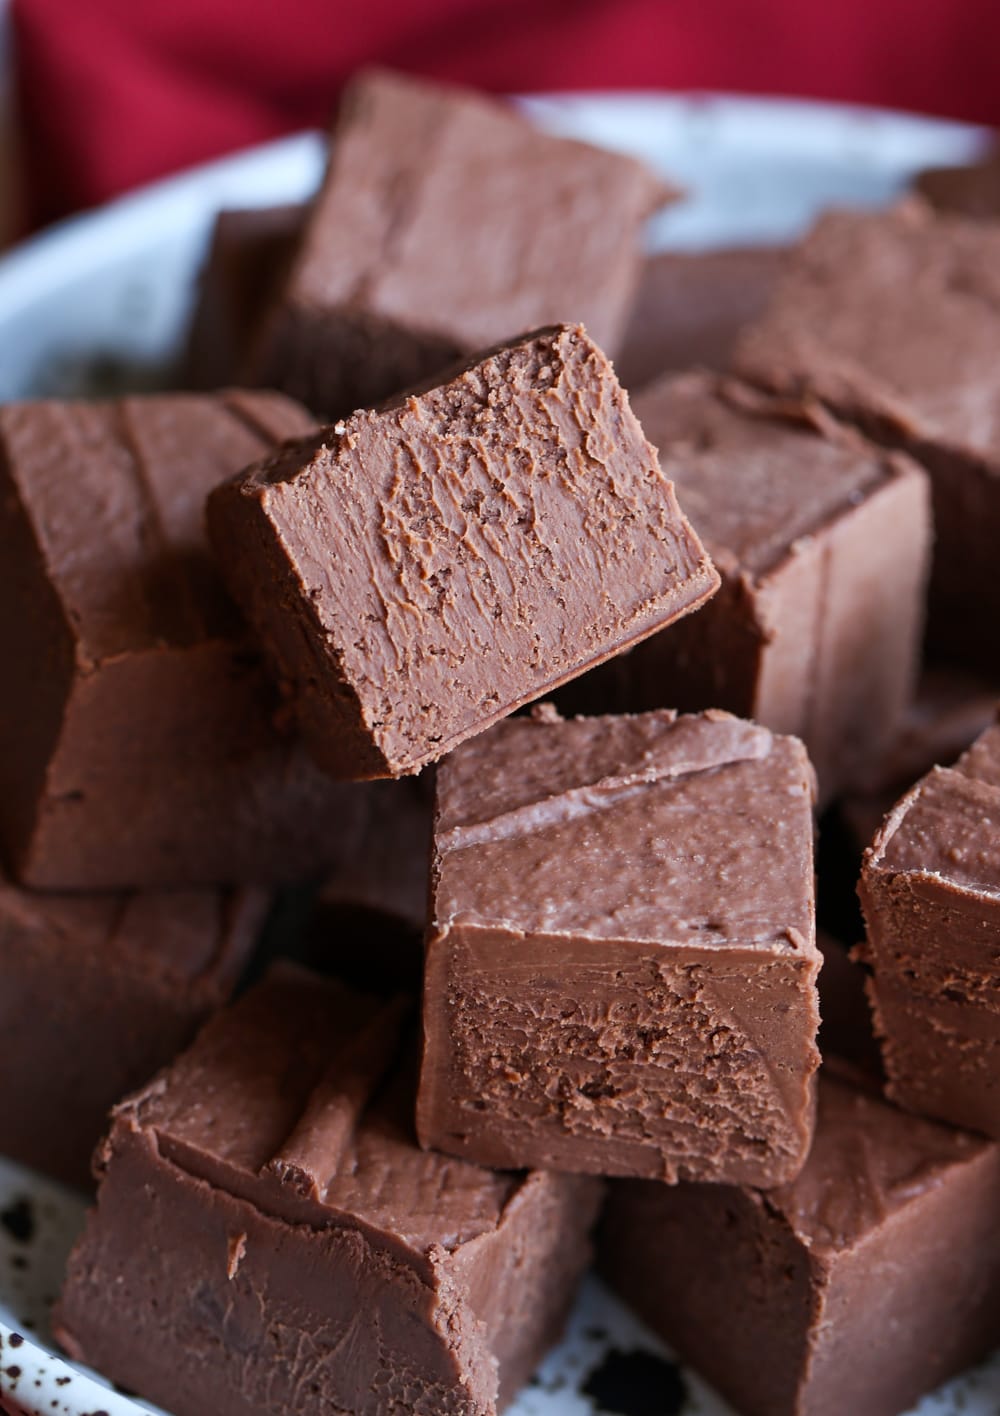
(101, 303)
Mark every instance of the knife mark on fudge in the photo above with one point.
(447, 223)
(420, 571)
(373, 1275)
(135, 697)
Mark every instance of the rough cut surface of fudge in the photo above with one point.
(139, 739)
(620, 968)
(247, 254)
(447, 223)
(892, 319)
(822, 543)
(972, 189)
(930, 891)
(420, 571)
(690, 306)
(867, 1281)
(98, 991)
(268, 1236)
(947, 713)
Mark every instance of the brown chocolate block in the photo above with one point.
(892, 319)
(930, 890)
(690, 306)
(621, 965)
(948, 712)
(447, 223)
(864, 1283)
(269, 1237)
(972, 190)
(98, 992)
(139, 736)
(379, 892)
(846, 1028)
(822, 542)
(420, 571)
(247, 255)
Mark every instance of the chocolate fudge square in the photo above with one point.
(865, 1282)
(691, 305)
(620, 968)
(247, 255)
(447, 223)
(420, 571)
(930, 890)
(972, 189)
(269, 1237)
(98, 992)
(140, 737)
(892, 319)
(822, 542)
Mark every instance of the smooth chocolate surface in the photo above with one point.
(97, 992)
(862, 1284)
(420, 571)
(822, 542)
(141, 742)
(892, 319)
(621, 964)
(247, 255)
(930, 890)
(690, 307)
(268, 1235)
(972, 189)
(447, 223)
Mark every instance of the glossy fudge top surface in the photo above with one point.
(891, 315)
(756, 473)
(868, 1161)
(432, 173)
(299, 1098)
(690, 831)
(114, 495)
(948, 825)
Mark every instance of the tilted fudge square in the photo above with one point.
(867, 1281)
(620, 968)
(930, 891)
(269, 1237)
(247, 255)
(98, 992)
(822, 542)
(691, 305)
(447, 223)
(893, 320)
(139, 744)
(420, 571)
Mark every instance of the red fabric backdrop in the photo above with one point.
(116, 92)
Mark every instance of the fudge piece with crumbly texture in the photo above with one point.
(930, 890)
(98, 992)
(620, 969)
(892, 319)
(447, 223)
(865, 1282)
(823, 544)
(420, 571)
(268, 1235)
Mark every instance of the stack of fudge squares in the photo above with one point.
(540, 690)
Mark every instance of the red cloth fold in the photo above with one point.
(113, 93)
